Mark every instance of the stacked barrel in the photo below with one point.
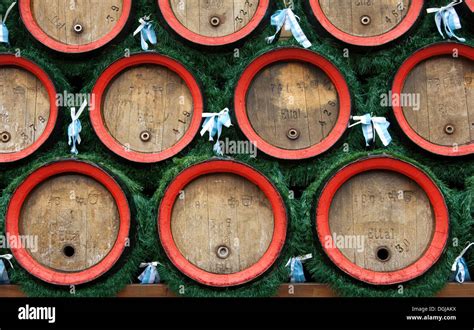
(146, 186)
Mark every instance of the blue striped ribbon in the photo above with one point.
(150, 275)
(213, 124)
(371, 126)
(4, 35)
(460, 269)
(287, 18)
(147, 32)
(3, 271)
(447, 18)
(75, 128)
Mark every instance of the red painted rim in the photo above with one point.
(410, 19)
(189, 35)
(42, 174)
(470, 5)
(118, 67)
(36, 31)
(399, 82)
(441, 231)
(192, 271)
(20, 62)
(292, 54)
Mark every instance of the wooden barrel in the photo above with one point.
(29, 112)
(222, 223)
(213, 22)
(366, 23)
(382, 220)
(79, 216)
(76, 26)
(148, 107)
(292, 103)
(443, 120)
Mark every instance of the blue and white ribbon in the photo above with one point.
(147, 32)
(3, 27)
(3, 271)
(75, 128)
(372, 125)
(448, 18)
(150, 275)
(459, 268)
(213, 124)
(289, 20)
(296, 268)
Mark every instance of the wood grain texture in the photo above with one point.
(196, 15)
(147, 98)
(222, 210)
(387, 210)
(24, 109)
(70, 211)
(446, 90)
(297, 290)
(292, 95)
(347, 16)
(58, 18)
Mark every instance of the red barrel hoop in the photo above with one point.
(30, 185)
(339, 104)
(169, 240)
(47, 124)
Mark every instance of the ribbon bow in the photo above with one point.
(287, 18)
(459, 268)
(3, 27)
(75, 128)
(296, 268)
(3, 272)
(213, 124)
(448, 17)
(150, 275)
(371, 125)
(147, 32)
(7, 257)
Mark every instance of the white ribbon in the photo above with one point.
(7, 257)
(448, 17)
(287, 18)
(3, 26)
(147, 32)
(75, 128)
(150, 275)
(460, 276)
(372, 125)
(213, 124)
